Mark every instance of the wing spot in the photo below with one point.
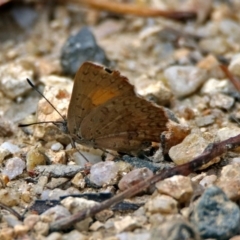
(108, 70)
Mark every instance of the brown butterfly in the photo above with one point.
(105, 113)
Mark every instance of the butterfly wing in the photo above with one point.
(93, 86)
(106, 111)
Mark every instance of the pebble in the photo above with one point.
(161, 204)
(104, 215)
(42, 181)
(234, 66)
(184, 80)
(35, 158)
(104, 173)
(143, 235)
(80, 48)
(92, 155)
(7, 234)
(127, 223)
(221, 101)
(14, 167)
(56, 182)
(213, 86)
(41, 228)
(175, 229)
(229, 181)
(4, 153)
(134, 177)
(192, 146)
(211, 65)
(54, 236)
(31, 220)
(205, 120)
(75, 205)
(13, 78)
(12, 148)
(215, 216)
(79, 181)
(58, 170)
(208, 181)
(56, 147)
(56, 213)
(74, 234)
(177, 187)
(216, 45)
(20, 230)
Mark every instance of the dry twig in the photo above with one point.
(133, 9)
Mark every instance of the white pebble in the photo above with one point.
(57, 147)
(10, 147)
(14, 167)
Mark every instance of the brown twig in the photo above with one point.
(212, 151)
(133, 9)
(12, 211)
(235, 81)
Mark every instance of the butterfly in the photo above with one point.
(105, 112)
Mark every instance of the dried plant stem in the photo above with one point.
(133, 9)
(212, 151)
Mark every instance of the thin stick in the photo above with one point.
(133, 9)
(212, 151)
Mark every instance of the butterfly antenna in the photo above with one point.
(35, 88)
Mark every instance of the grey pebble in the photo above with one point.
(80, 48)
(215, 216)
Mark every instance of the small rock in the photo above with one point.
(221, 101)
(211, 64)
(176, 229)
(127, 223)
(104, 215)
(74, 235)
(227, 132)
(31, 220)
(213, 86)
(215, 216)
(161, 204)
(80, 48)
(143, 235)
(20, 230)
(205, 120)
(56, 213)
(134, 177)
(75, 205)
(96, 226)
(216, 45)
(192, 146)
(13, 78)
(208, 181)
(234, 66)
(229, 181)
(56, 182)
(4, 153)
(57, 147)
(79, 181)
(41, 228)
(184, 80)
(14, 167)
(12, 148)
(92, 155)
(42, 181)
(178, 187)
(58, 170)
(104, 173)
(54, 236)
(9, 197)
(7, 233)
(35, 158)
